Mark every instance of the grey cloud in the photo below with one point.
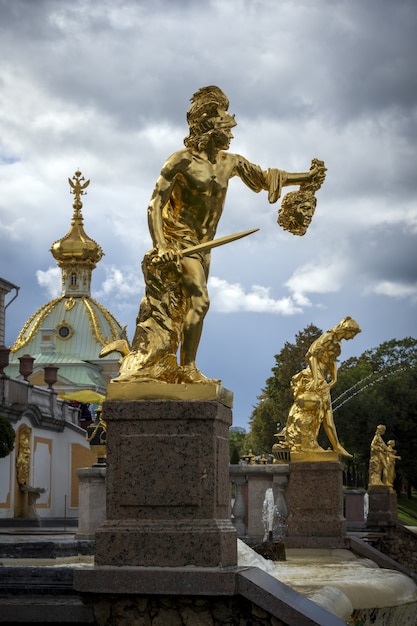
(389, 254)
(105, 86)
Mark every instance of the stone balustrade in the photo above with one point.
(17, 395)
(249, 486)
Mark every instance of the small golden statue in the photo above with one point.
(183, 215)
(23, 456)
(382, 460)
(249, 458)
(312, 407)
(96, 436)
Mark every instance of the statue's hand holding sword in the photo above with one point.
(167, 255)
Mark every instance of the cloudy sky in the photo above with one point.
(104, 87)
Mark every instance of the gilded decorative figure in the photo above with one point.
(78, 188)
(382, 460)
(249, 457)
(23, 456)
(312, 406)
(388, 474)
(96, 436)
(183, 215)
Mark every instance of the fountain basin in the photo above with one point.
(342, 583)
(355, 589)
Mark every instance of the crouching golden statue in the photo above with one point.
(312, 406)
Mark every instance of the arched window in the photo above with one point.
(73, 278)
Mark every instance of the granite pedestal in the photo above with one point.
(168, 492)
(315, 502)
(355, 506)
(92, 500)
(382, 507)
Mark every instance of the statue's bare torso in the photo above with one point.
(198, 188)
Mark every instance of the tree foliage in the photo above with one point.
(271, 412)
(237, 437)
(379, 387)
(7, 437)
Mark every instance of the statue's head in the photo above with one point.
(207, 116)
(296, 211)
(347, 328)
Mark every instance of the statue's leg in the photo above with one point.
(194, 280)
(330, 430)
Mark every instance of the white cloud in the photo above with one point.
(394, 290)
(120, 283)
(231, 298)
(321, 277)
(50, 280)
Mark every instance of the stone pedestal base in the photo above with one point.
(315, 502)
(92, 500)
(168, 543)
(168, 492)
(355, 508)
(382, 507)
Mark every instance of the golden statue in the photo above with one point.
(96, 436)
(183, 215)
(23, 456)
(382, 460)
(388, 475)
(312, 407)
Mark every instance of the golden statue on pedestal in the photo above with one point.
(382, 460)
(183, 215)
(312, 405)
(23, 455)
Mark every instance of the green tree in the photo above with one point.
(7, 437)
(237, 436)
(379, 387)
(271, 412)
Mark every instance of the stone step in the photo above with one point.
(34, 579)
(44, 609)
(45, 549)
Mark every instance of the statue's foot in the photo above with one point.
(192, 374)
(340, 449)
(120, 346)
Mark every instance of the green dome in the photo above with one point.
(70, 331)
(70, 326)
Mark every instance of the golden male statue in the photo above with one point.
(183, 215)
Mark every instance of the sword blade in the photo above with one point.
(208, 245)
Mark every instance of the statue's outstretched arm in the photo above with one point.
(297, 178)
(273, 180)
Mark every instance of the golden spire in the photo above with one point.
(76, 253)
(78, 191)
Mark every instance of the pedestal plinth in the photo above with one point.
(355, 508)
(382, 507)
(92, 500)
(315, 502)
(168, 493)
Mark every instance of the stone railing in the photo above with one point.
(249, 485)
(18, 395)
